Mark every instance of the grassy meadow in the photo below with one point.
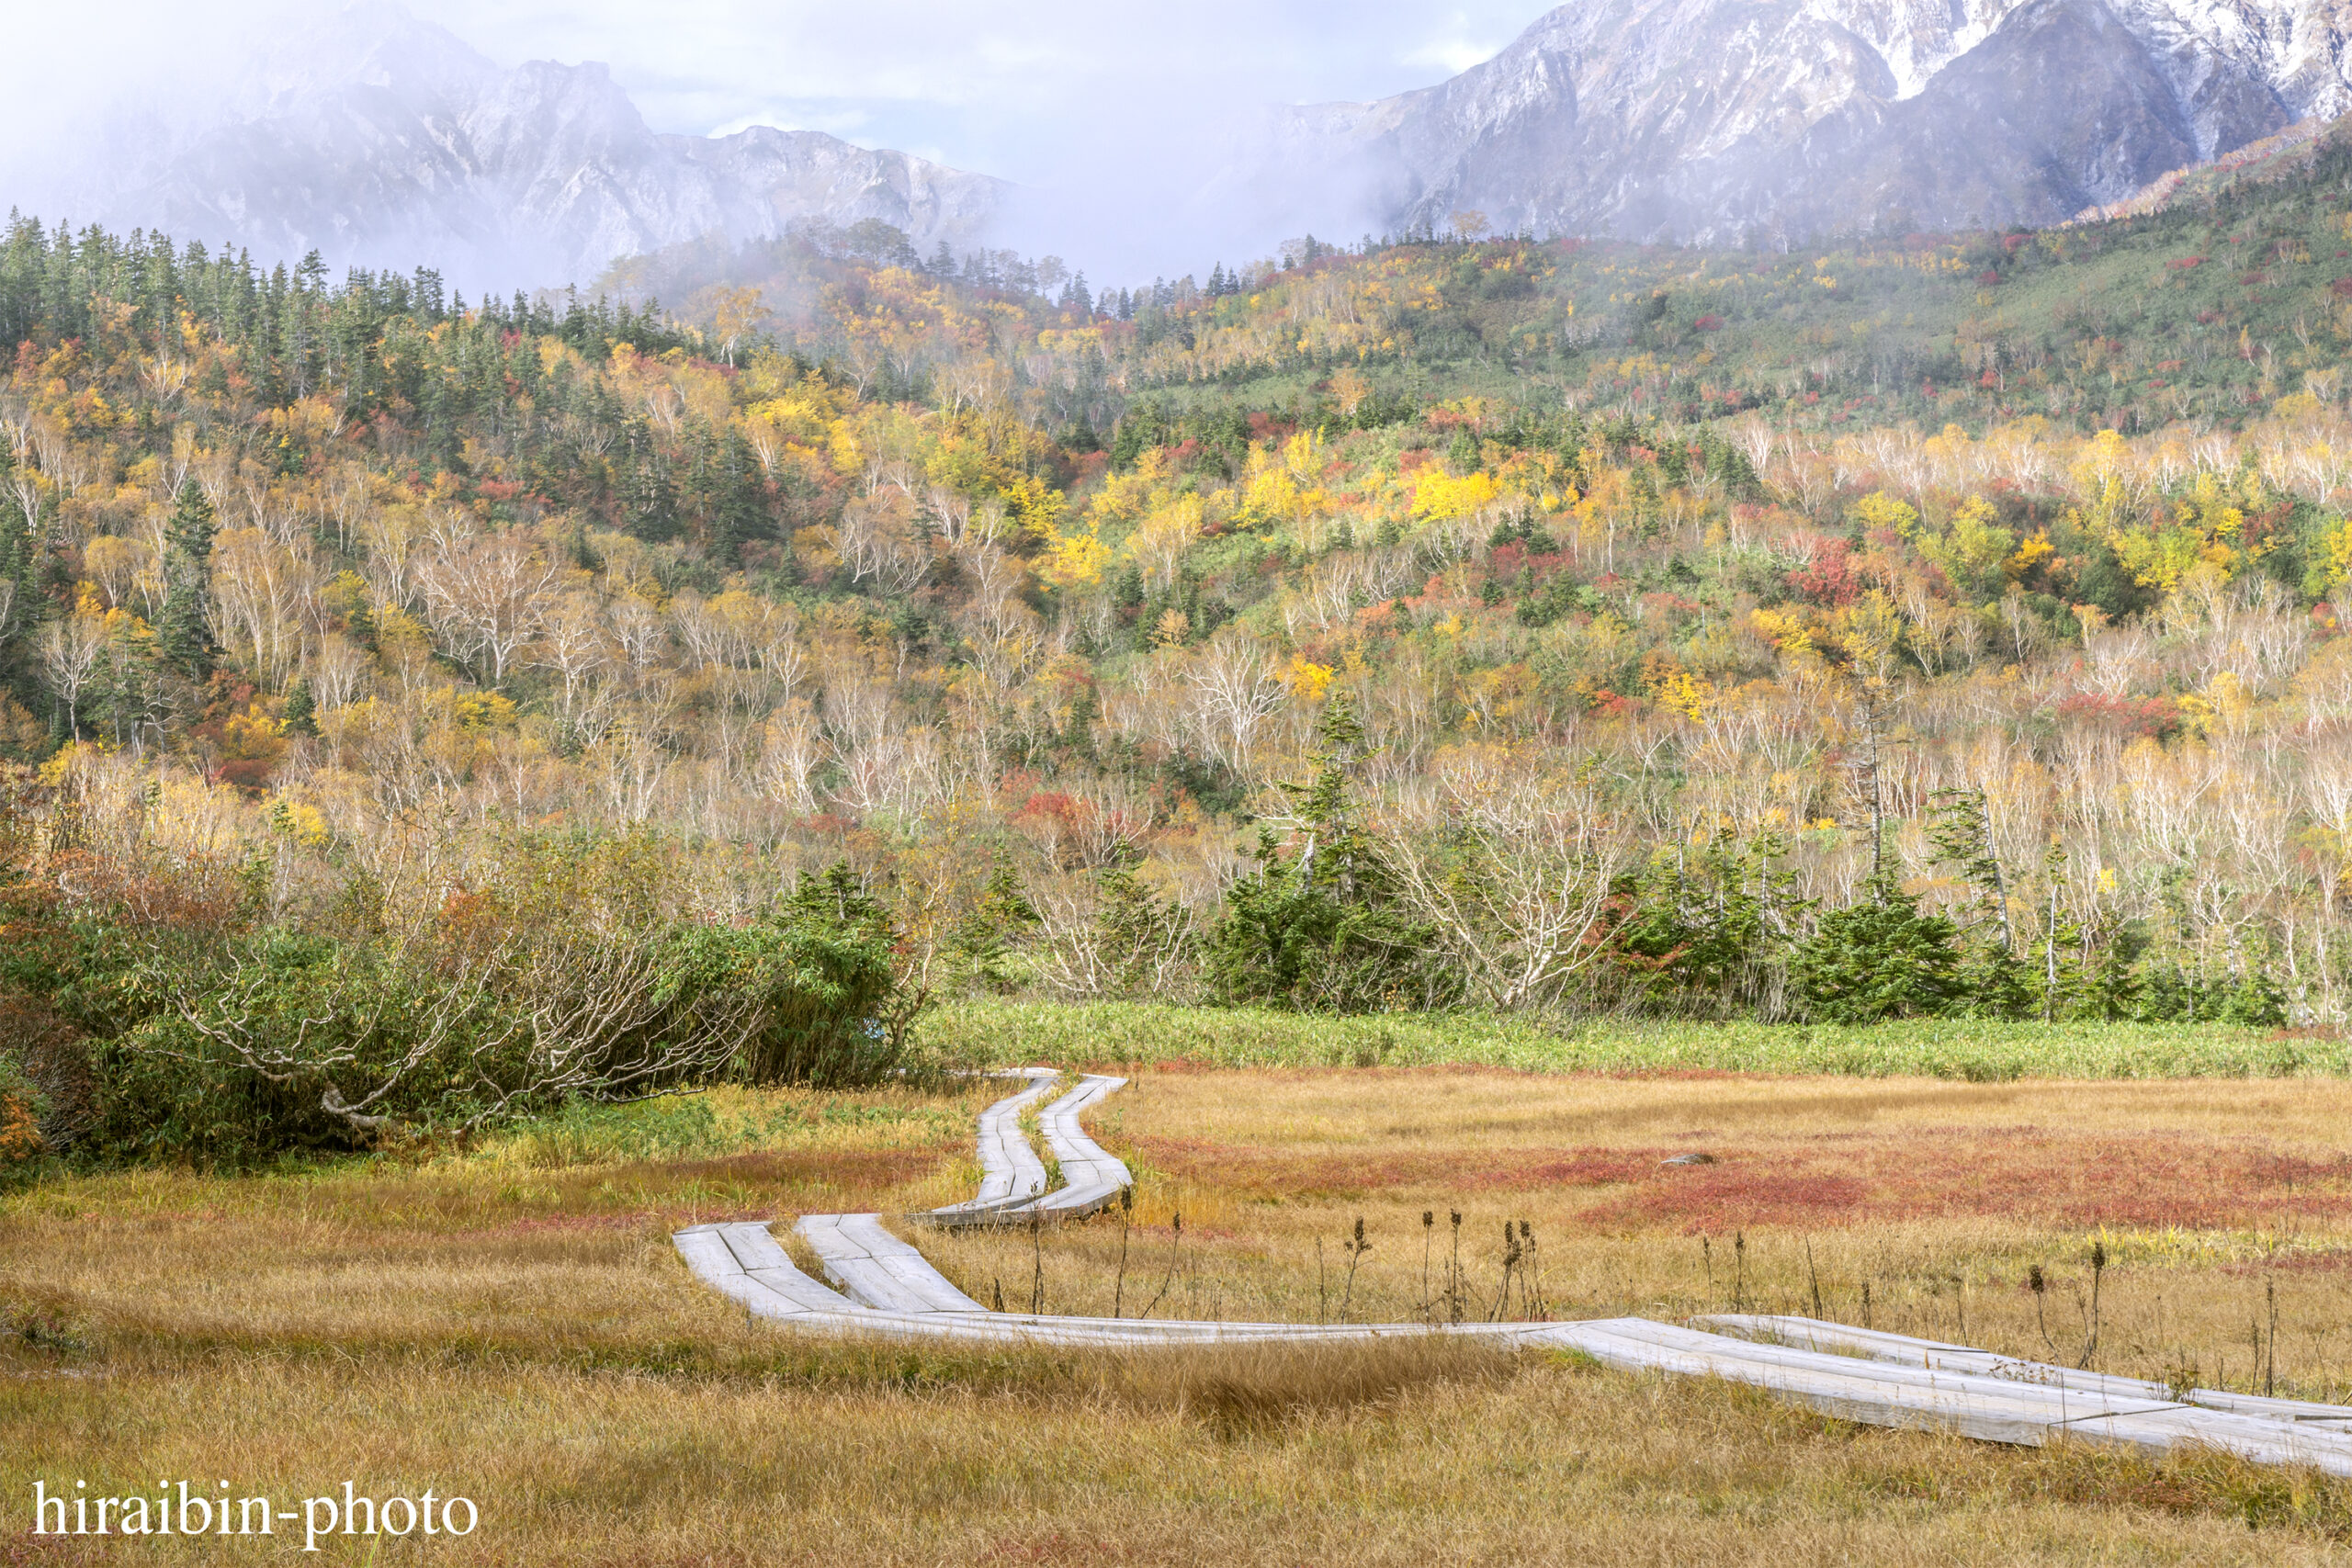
(508, 1321)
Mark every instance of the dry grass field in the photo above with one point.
(2215, 1202)
(509, 1323)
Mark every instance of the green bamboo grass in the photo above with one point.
(990, 1032)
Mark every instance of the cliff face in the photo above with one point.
(380, 139)
(1728, 120)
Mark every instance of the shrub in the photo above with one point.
(577, 974)
(21, 1104)
(821, 995)
(290, 1042)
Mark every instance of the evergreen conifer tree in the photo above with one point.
(1319, 928)
(1992, 975)
(1000, 918)
(1877, 958)
(2111, 988)
(184, 630)
(299, 715)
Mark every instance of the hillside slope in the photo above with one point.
(1071, 634)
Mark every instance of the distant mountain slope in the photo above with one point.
(378, 138)
(2290, 153)
(1740, 120)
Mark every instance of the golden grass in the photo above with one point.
(2216, 1202)
(512, 1324)
(1550, 1464)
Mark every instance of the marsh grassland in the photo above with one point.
(509, 1321)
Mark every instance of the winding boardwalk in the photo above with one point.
(1093, 1177)
(887, 1288)
(1010, 1172)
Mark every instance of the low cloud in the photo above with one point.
(1114, 118)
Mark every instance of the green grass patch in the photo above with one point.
(989, 1032)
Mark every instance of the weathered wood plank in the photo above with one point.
(707, 1254)
(1812, 1333)
(1844, 1387)
(1010, 1170)
(2058, 1403)
(764, 1259)
(2256, 1438)
(906, 1265)
(1092, 1177)
(879, 1270)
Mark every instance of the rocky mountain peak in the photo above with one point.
(1731, 120)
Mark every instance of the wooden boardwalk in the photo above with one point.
(887, 1288)
(876, 1270)
(1093, 1177)
(1841, 1339)
(1010, 1172)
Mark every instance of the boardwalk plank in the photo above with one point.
(1010, 1172)
(765, 1260)
(1812, 1333)
(2058, 1404)
(2256, 1438)
(706, 1253)
(1849, 1395)
(1092, 1177)
(879, 1270)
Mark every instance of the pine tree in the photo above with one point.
(2110, 990)
(839, 901)
(1706, 922)
(1000, 918)
(652, 499)
(1319, 928)
(183, 628)
(726, 478)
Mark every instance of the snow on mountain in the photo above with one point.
(1731, 120)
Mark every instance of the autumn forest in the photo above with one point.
(577, 692)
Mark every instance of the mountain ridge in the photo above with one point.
(1728, 121)
(375, 137)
